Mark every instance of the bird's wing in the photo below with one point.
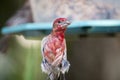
(44, 65)
(65, 62)
(42, 45)
(65, 51)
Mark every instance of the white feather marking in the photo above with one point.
(57, 61)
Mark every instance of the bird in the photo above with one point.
(54, 52)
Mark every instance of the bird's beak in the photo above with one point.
(66, 23)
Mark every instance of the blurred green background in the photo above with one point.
(21, 62)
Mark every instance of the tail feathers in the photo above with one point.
(55, 73)
(54, 76)
(61, 77)
(57, 77)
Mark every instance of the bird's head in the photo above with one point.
(60, 24)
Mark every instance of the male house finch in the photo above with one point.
(53, 48)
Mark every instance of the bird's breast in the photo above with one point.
(53, 49)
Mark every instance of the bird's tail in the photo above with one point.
(59, 76)
(54, 76)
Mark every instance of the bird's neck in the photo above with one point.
(59, 34)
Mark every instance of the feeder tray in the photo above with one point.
(77, 27)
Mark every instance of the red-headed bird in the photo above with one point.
(54, 54)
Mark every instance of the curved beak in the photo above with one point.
(66, 23)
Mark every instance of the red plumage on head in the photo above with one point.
(59, 19)
(60, 24)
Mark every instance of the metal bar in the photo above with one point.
(90, 26)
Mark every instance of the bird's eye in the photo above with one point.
(59, 21)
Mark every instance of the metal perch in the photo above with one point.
(77, 27)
